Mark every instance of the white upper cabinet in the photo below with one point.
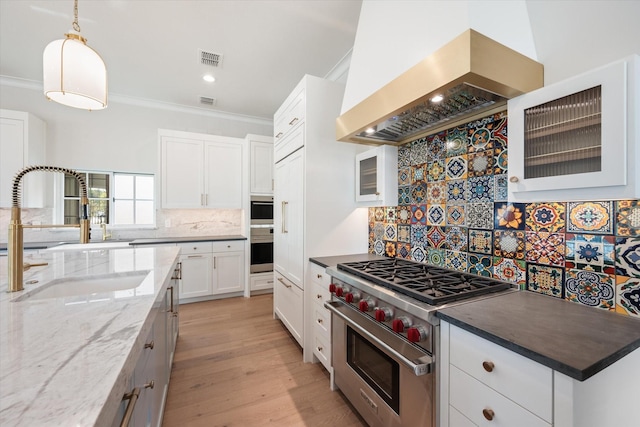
(200, 171)
(261, 164)
(377, 176)
(576, 139)
(22, 143)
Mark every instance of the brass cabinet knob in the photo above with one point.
(149, 345)
(513, 179)
(488, 414)
(488, 366)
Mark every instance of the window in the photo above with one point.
(114, 198)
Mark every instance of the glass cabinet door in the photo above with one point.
(377, 176)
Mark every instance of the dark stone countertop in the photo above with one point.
(570, 338)
(330, 261)
(162, 240)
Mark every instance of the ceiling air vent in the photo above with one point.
(210, 58)
(207, 101)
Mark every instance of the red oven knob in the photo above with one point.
(340, 290)
(366, 304)
(383, 314)
(352, 297)
(400, 324)
(417, 334)
(332, 288)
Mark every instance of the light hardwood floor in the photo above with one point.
(236, 366)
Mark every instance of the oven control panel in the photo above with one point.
(411, 328)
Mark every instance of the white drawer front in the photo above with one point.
(322, 321)
(474, 399)
(322, 350)
(320, 294)
(456, 419)
(288, 305)
(319, 275)
(228, 245)
(290, 143)
(524, 381)
(195, 248)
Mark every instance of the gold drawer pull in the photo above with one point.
(319, 349)
(319, 276)
(318, 296)
(149, 345)
(320, 321)
(488, 414)
(488, 366)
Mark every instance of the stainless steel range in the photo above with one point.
(385, 334)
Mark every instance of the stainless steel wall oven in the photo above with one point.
(261, 234)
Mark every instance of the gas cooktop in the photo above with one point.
(426, 283)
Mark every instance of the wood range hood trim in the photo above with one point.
(470, 58)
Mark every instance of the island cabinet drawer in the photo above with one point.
(322, 350)
(527, 383)
(322, 321)
(484, 406)
(228, 245)
(319, 275)
(195, 248)
(320, 293)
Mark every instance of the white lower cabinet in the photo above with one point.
(288, 303)
(261, 281)
(210, 269)
(318, 294)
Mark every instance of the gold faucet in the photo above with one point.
(105, 234)
(15, 244)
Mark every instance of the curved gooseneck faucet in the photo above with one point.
(15, 244)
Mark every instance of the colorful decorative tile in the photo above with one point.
(390, 249)
(590, 288)
(591, 252)
(404, 195)
(404, 156)
(418, 234)
(435, 171)
(480, 189)
(436, 214)
(628, 256)
(371, 213)
(390, 214)
(481, 241)
(628, 218)
(456, 141)
(436, 145)
(418, 214)
(456, 215)
(378, 230)
(404, 233)
(418, 173)
(436, 236)
(480, 139)
(590, 217)
(378, 214)
(548, 217)
(456, 238)
(435, 257)
(418, 151)
(370, 248)
(390, 232)
(456, 167)
(418, 253)
(509, 244)
(500, 159)
(628, 295)
(510, 270)
(437, 192)
(403, 250)
(501, 188)
(419, 192)
(482, 265)
(545, 248)
(480, 215)
(456, 191)
(545, 280)
(455, 260)
(480, 163)
(509, 216)
(403, 214)
(378, 247)
(488, 132)
(404, 175)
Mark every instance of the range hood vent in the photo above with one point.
(473, 74)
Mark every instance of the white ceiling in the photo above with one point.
(151, 47)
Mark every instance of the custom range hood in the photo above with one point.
(474, 75)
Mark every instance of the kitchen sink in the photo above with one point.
(86, 285)
(90, 246)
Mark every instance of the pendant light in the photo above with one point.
(74, 74)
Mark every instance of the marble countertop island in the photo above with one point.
(65, 360)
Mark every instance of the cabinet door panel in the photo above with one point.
(182, 173)
(261, 167)
(223, 175)
(295, 218)
(196, 276)
(228, 272)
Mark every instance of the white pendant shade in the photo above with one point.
(74, 74)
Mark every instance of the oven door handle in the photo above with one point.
(420, 366)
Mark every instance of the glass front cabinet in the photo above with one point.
(377, 176)
(576, 139)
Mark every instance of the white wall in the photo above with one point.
(567, 37)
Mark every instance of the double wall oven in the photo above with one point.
(261, 234)
(385, 334)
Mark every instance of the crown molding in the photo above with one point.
(146, 103)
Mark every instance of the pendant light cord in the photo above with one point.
(76, 26)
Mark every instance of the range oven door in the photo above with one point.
(389, 381)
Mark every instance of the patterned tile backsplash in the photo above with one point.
(453, 212)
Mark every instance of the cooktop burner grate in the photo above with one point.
(426, 283)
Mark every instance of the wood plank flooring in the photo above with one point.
(236, 366)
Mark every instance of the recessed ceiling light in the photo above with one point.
(437, 98)
(208, 78)
(370, 130)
